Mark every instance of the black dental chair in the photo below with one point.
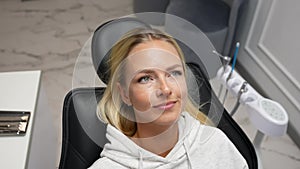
(84, 135)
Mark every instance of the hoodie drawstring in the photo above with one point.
(140, 160)
(186, 145)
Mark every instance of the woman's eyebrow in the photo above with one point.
(173, 67)
(149, 71)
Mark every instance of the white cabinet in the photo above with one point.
(21, 91)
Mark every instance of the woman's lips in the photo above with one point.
(166, 106)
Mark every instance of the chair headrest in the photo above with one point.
(108, 34)
(105, 36)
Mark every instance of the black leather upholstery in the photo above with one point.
(78, 149)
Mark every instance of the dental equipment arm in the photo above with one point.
(268, 116)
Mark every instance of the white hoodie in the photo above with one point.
(198, 147)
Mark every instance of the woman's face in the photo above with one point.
(155, 83)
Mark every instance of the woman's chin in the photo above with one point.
(167, 118)
(159, 118)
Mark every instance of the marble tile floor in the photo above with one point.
(48, 35)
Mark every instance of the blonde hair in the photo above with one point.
(111, 108)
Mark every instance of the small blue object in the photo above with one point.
(235, 55)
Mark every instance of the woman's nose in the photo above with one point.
(164, 88)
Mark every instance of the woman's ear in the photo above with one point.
(124, 94)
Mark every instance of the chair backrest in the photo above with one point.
(84, 135)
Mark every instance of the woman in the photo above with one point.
(151, 119)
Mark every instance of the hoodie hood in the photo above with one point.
(124, 151)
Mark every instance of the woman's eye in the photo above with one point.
(176, 73)
(144, 79)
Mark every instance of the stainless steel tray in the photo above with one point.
(13, 123)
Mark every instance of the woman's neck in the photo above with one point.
(156, 138)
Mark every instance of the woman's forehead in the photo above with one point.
(154, 53)
(158, 44)
(150, 59)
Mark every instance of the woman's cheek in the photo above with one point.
(140, 99)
